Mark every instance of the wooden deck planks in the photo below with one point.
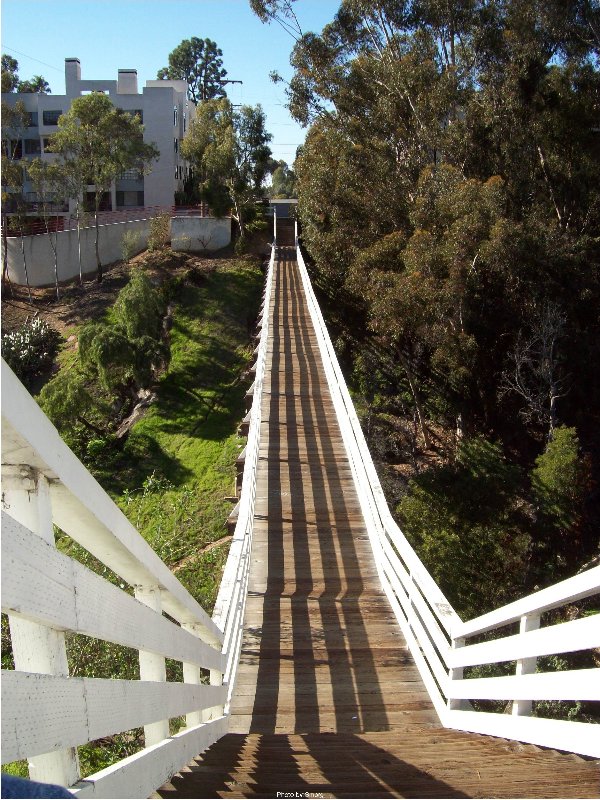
(328, 699)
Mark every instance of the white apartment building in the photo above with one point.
(165, 112)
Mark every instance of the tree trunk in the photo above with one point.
(25, 267)
(415, 394)
(98, 262)
(5, 276)
(77, 210)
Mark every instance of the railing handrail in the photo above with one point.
(68, 222)
(434, 631)
(231, 599)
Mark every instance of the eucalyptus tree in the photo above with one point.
(12, 83)
(48, 182)
(99, 142)
(36, 85)
(229, 151)
(10, 77)
(200, 63)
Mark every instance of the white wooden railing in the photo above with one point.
(47, 714)
(439, 639)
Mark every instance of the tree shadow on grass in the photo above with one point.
(142, 456)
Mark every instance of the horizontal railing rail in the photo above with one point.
(436, 635)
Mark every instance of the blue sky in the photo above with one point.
(107, 35)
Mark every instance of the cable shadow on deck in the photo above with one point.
(316, 670)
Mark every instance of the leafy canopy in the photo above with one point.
(229, 151)
(200, 63)
(11, 82)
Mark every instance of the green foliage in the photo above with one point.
(139, 308)
(10, 77)
(15, 120)
(11, 82)
(229, 151)
(129, 348)
(283, 182)
(198, 62)
(160, 232)
(130, 244)
(560, 484)
(462, 516)
(37, 85)
(66, 398)
(558, 479)
(449, 198)
(30, 349)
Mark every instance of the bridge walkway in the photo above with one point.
(328, 702)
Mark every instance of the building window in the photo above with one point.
(32, 119)
(132, 175)
(51, 117)
(184, 121)
(47, 145)
(128, 199)
(175, 115)
(32, 147)
(137, 113)
(176, 145)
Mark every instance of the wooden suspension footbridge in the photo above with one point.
(329, 683)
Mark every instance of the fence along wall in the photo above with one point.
(200, 233)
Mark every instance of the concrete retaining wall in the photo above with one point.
(198, 234)
(188, 233)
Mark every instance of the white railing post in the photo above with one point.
(456, 674)
(37, 648)
(526, 666)
(191, 674)
(152, 666)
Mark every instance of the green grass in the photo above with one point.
(178, 463)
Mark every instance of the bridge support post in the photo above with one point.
(525, 666)
(37, 648)
(152, 666)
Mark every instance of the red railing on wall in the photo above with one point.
(19, 225)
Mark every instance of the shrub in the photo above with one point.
(557, 479)
(129, 347)
(131, 244)
(160, 232)
(30, 349)
(463, 521)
